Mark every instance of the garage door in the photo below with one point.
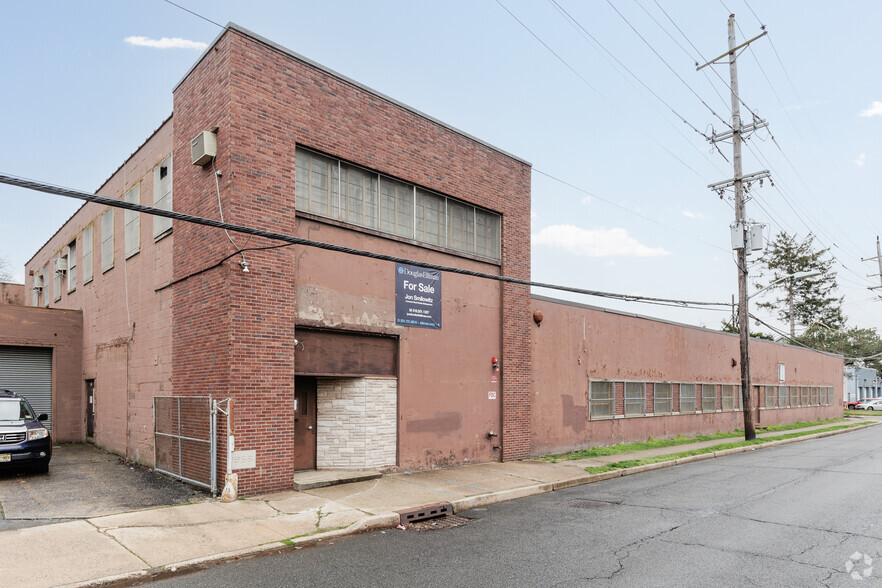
(28, 371)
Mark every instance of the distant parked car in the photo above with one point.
(854, 403)
(24, 441)
(870, 404)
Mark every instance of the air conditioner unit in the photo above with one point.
(203, 148)
(38, 282)
(61, 264)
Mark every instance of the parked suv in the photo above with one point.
(24, 441)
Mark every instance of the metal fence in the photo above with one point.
(185, 432)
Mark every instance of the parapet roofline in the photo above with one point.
(231, 26)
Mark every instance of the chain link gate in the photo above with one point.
(185, 435)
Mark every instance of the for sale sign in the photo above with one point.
(417, 297)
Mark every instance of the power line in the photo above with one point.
(205, 18)
(112, 202)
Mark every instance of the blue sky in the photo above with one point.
(80, 94)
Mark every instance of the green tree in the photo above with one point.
(854, 343)
(727, 327)
(802, 301)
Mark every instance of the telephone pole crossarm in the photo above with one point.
(733, 50)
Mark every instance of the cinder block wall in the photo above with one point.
(356, 423)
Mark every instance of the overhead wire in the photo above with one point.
(112, 202)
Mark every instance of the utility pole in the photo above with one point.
(879, 258)
(741, 227)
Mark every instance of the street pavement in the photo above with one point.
(150, 543)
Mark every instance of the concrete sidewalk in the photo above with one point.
(138, 544)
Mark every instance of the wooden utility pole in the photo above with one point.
(741, 227)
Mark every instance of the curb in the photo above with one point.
(391, 520)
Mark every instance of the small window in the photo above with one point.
(72, 266)
(133, 222)
(601, 400)
(662, 398)
(635, 398)
(107, 240)
(56, 278)
(87, 254)
(708, 397)
(162, 197)
(687, 398)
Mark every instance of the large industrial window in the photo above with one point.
(805, 396)
(47, 275)
(107, 240)
(815, 398)
(56, 278)
(601, 401)
(635, 398)
(687, 398)
(133, 222)
(782, 396)
(662, 398)
(794, 396)
(331, 188)
(87, 254)
(727, 397)
(162, 197)
(708, 397)
(771, 396)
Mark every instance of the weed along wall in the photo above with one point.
(602, 377)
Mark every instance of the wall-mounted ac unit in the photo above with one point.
(38, 282)
(61, 264)
(203, 148)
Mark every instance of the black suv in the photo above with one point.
(24, 441)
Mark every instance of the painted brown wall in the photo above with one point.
(445, 375)
(62, 330)
(576, 343)
(12, 293)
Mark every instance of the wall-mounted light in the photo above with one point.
(244, 265)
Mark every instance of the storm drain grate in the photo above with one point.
(448, 522)
(422, 513)
(584, 503)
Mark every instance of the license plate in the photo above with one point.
(5, 457)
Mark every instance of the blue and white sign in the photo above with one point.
(417, 297)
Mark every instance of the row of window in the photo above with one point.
(62, 269)
(333, 189)
(668, 398)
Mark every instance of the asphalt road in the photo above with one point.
(803, 514)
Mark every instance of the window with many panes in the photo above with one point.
(635, 398)
(162, 197)
(72, 266)
(662, 398)
(771, 396)
(782, 396)
(334, 189)
(87, 254)
(107, 240)
(133, 222)
(727, 397)
(601, 400)
(687, 398)
(794, 396)
(805, 396)
(708, 397)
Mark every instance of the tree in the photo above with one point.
(727, 327)
(853, 343)
(801, 300)
(5, 270)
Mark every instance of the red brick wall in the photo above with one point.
(234, 331)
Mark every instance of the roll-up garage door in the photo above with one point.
(28, 371)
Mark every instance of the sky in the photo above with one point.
(601, 97)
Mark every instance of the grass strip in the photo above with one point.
(630, 463)
(678, 440)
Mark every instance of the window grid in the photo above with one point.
(133, 222)
(727, 399)
(87, 254)
(771, 395)
(601, 399)
(687, 398)
(794, 396)
(662, 398)
(804, 396)
(783, 397)
(328, 187)
(72, 266)
(47, 280)
(56, 278)
(107, 240)
(162, 197)
(635, 398)
(708, 397)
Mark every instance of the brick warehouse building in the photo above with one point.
(314, 345)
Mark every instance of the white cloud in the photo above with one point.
(165, 43)
(594, 243)
(690, 214)
(861, 160)
(875, 109)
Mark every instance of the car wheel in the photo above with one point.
(870, 408)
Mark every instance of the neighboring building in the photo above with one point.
(861, 382)
(12, 293)
(312, 345)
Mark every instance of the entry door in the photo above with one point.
(90, 408)
(304, 422)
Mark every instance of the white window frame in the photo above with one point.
(88, 247)
(56, 278)
(162, 198)
(107, 231)
(712, 389)
(667, 398)
(596, 401)
(72, 266)
(133, 222)
(693, 397)
(635, 397)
